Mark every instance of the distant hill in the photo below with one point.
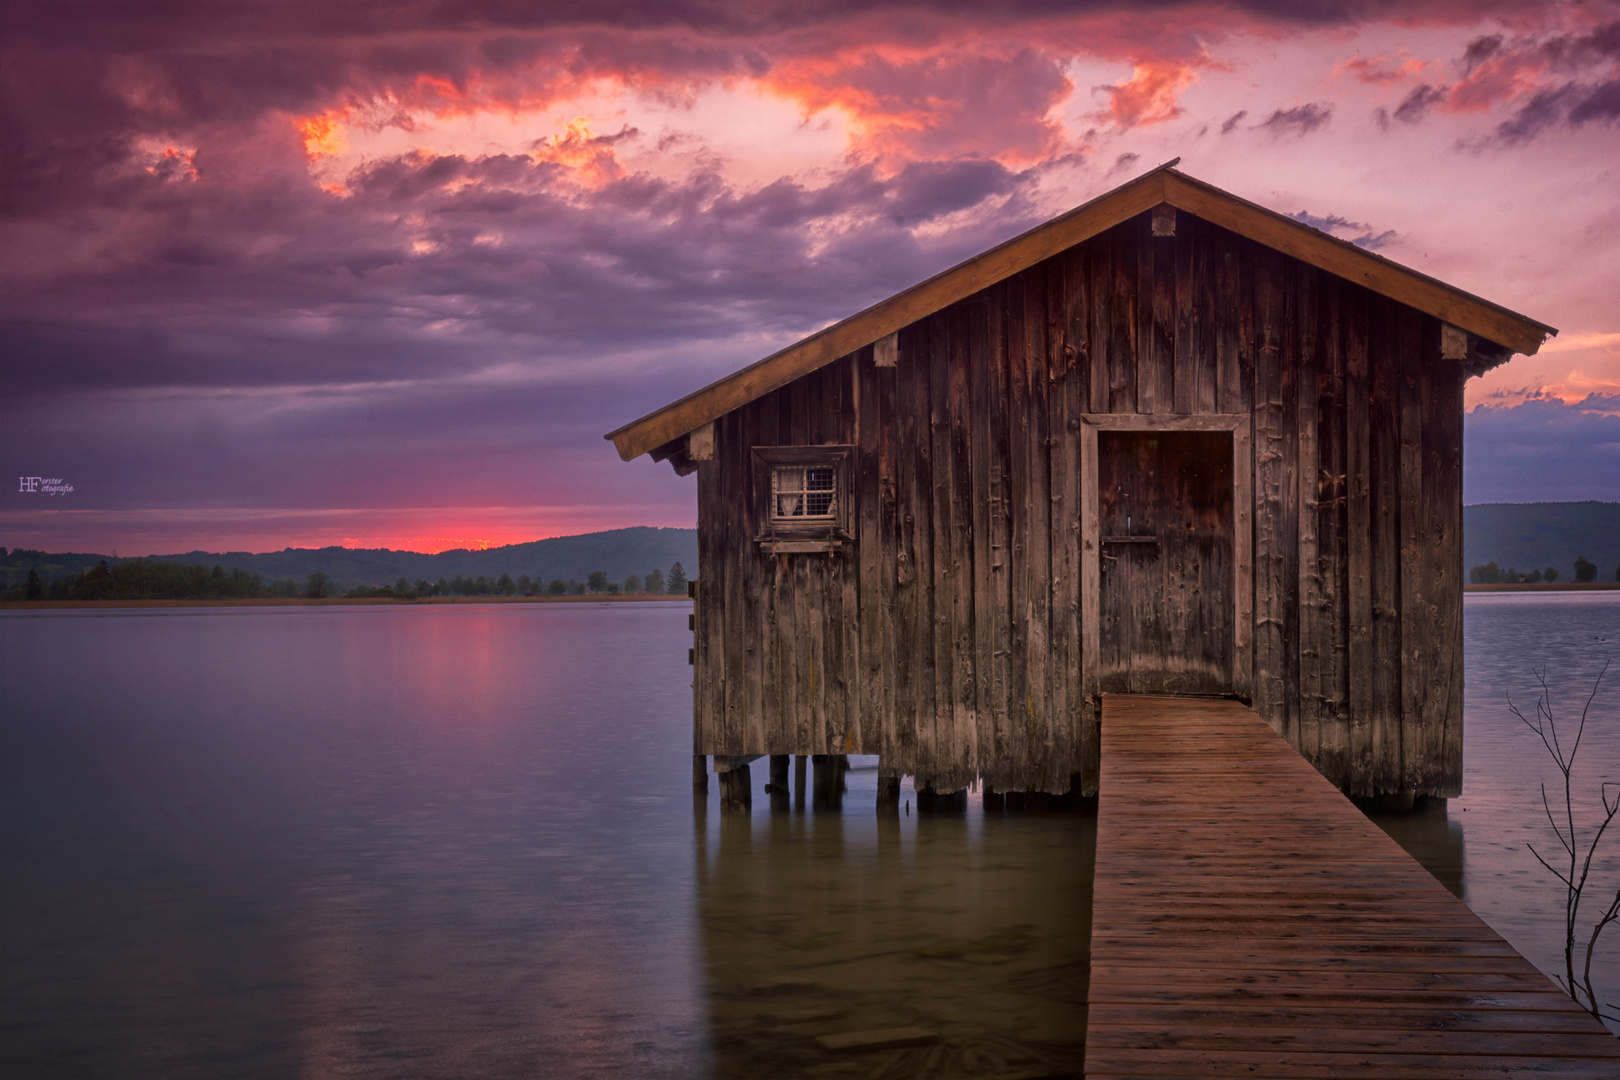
(1529, 536)
(617, 552)
(1534, 536)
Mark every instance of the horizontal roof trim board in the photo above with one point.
(1162, 185)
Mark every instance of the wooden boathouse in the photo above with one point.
(1167, 443)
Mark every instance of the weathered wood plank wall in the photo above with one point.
(948, 637)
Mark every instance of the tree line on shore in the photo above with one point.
(152, 579)
(1491, 574)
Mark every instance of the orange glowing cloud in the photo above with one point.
(909, 102)
(1500, 78)
(324, 135)
(590, 157)
(1151, 95)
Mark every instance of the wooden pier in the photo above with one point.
(1249, 921)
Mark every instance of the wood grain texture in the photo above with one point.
(958, 632)
(1272, 540)
(1311, 633)
(1229, 940)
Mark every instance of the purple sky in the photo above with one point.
(291, 274)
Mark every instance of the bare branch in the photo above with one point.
(1554, 822)
(1536, 727)
(1580, 729)
(1575, 879)
(1555, 873)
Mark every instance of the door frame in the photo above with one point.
(1239, 424)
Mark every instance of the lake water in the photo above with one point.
(461, 841)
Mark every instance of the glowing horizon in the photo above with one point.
(281, 283)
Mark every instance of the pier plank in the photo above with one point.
(1232, 940)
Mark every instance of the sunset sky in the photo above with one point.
(382, 274)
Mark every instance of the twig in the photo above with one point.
(1574, 881)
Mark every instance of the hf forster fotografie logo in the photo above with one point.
(43, 485)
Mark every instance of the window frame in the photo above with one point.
(779, 536)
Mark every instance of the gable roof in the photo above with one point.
(1509, 330)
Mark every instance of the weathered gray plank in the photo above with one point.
(1122, 334)
(1065, 311)
(1229, 300)
(1412, 537)
(964, 736)
(1156, 310)
(1358, 542)
(1333, 755)
(943, 521)
(1384, 465)
(1442, 501)
(1001, 564)
(1038, 499)
(1312, 634)
(1021, 483)
(1206, 393)
(1099, 290)
(980, 375)
(1270, 520)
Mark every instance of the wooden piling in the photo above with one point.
(736, 790)
(829, 780)
(777, 788)
(888, 794)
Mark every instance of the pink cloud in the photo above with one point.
(1151, 95)
(374, 251)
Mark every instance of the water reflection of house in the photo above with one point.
(1168, 442)
(971, 947)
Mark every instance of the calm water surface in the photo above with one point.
(461, 841)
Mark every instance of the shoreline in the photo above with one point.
(1544, 586)
(332, 601)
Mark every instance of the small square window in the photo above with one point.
(804, 498)
(802, 493)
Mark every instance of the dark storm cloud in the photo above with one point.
(1542, 450)
(1232, 121)
(509, 270)
(1300, 120)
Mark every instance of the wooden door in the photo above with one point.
(1165, 522)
